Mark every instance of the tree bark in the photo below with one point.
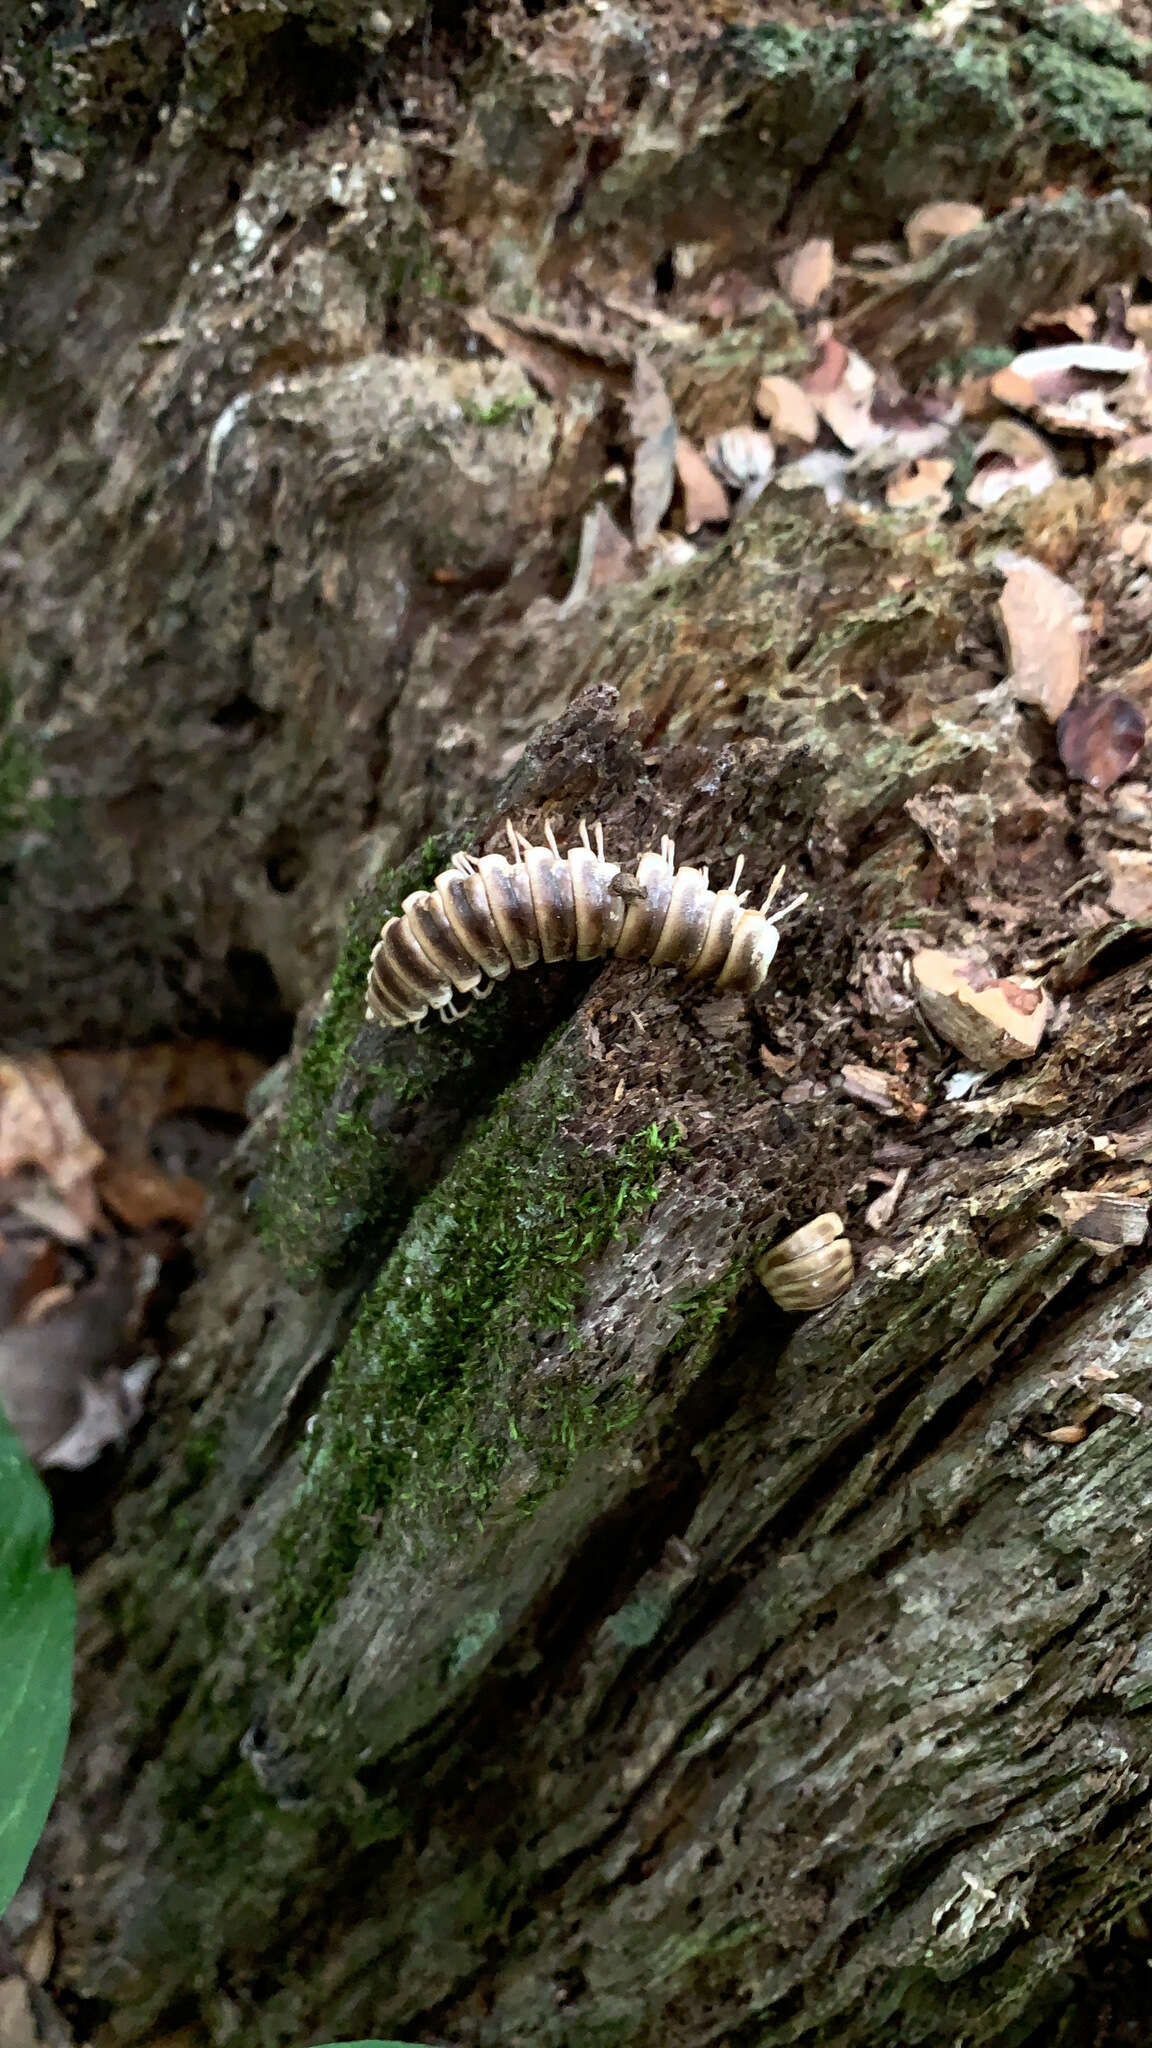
(518, 1629)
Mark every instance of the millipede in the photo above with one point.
(488, 914)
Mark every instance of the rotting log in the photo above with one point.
(530, 1634)
(770, 1682)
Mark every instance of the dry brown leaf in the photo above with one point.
(789, 411)
(846, 404)
(1070, 323)
(830, 365)
(548, 368)
(938, 222)
(705, 499)
(990, 1020)
(653, 427)
(1045, 628)
(921, 485)
(806, 273)
(1068, 1433)
(1068, 386)
(1100, 737)
(45, 1365)
(121, 1095)
(40, 1127)
(1131, 892)
(1010, 457)
(142, 1196)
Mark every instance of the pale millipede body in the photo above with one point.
(487, 914)
(810, 1267)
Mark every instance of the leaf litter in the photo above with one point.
(106, 1161)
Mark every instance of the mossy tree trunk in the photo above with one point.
(519, 1631)
(531, 1634)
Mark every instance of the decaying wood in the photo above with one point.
(518, 1629)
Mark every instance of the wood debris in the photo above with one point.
(653, 426)
(789, 411)
(705, 498)
(938, 222)
(1045, 628)
(807, 272)
(991, 1020)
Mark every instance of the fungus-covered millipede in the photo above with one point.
(487, 914)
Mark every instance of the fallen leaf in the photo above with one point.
(1010, 457)
(1045, 627)
(110, 1408)
(1067, 386)
(705, 499)
(653, 427)
(807, 272)
(44, 1365)
(938, 222)
(142, 1196)
(830, 365)
(1099, 738)
(121, 1096)
(39, 1126)
(789, 411)
(1074, 323)
(921, 485)
(1131, 892)
(1068, 1433)
(846, 406)
(606, 557)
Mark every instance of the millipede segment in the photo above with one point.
(488, 914)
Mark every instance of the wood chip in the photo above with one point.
(920, 486)
(880, 1091)
(789, 411)
(705, 498)
(1130, 893)
(807, 272)
(938, 222)
(990, 1020)
(653, 427)
(1045, 628)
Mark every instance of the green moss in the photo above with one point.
(22, 809)
(426, 1414)
(1087, 82)
(498, 411)
(329, 1175)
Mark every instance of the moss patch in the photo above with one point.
(21, 809)
(427, 1411)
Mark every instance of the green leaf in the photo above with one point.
(37, 1626)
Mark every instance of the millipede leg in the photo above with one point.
(774, 891)
(737, 871)
(778, 916)
(550, 836)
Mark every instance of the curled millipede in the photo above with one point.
(487, 914)
(810, 1267)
